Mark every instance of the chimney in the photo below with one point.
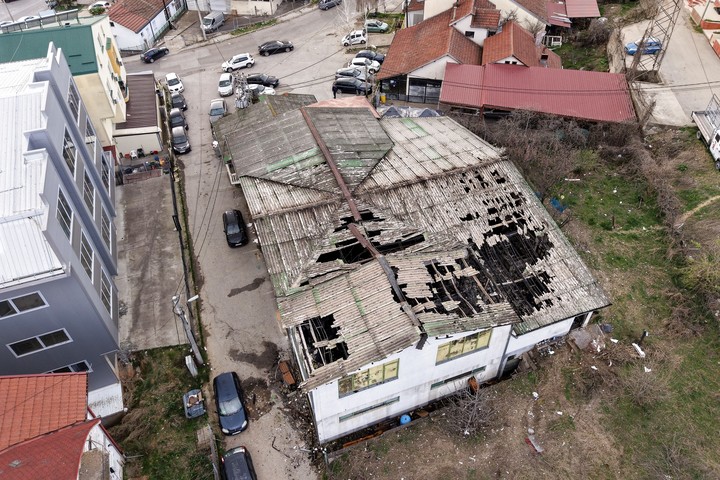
(455, 5)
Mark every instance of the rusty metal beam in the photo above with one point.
(331, 163)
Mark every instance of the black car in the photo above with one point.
(372, 55)
(262, 79)
(237, 465)
(234, 228)
(153, 54)
(228, 400)
(353, 85)
(275, 46)
(177, 101)
(177, 119)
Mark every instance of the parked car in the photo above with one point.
(237, 465)
(325, 4)
(256, 90)
(228, 399)
(651, 46)
(275, 46)
(226, 84)
(180, 141)
(376, 26)
(353, 72)
(353, 38)
(174, 83)
(262, 79)
(234, 228)
(218, 109)
(241, 60)
(372, 55)
(149, 56)
(353, 85)
(371, 66)
(177, 119)
(177, 101)
(27, 18)
(101, 4)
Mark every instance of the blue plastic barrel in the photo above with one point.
(405, 419)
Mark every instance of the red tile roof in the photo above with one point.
(135, 14)
(32, 405)
(488, 18)
(464, 8)
(595, 96)
(53, 456)
(557, 15)
(425, 42)
(518, 42)
(536, 7)
(582, 8)
(415, 5)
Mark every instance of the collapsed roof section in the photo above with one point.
(396, 230)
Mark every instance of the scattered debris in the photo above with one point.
(639, 350)
(530, 440)
(647, 370)
(535, 395)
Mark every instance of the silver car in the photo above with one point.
(218, 109)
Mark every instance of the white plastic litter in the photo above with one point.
(639, 350)
(647, 370)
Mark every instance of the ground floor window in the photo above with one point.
(456, 377)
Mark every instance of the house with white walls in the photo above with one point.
(407, 255)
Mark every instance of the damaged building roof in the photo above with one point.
(378, 233)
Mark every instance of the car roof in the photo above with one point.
(216, 101)
(225, 75)
(175, 111)
(241, 55)
(178, 130)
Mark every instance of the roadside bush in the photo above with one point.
(470, 412)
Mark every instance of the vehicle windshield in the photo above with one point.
(225, 83)
(173, 81)
(217, 111)
(230, 407)
(176, 120)
(181, 138)
(207, 21)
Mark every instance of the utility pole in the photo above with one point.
(180, 312)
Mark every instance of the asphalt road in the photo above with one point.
(238, 305)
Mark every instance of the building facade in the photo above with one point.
(58, 254)
(92, 56)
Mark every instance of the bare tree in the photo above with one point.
(543, 147)
(346, 15)
(470, 412)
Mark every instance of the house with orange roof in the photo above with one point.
(516, 46)
(47, 431)
(415, 64)
(138, 24)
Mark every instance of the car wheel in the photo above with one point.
(166, 51)
(698, 135)
(152, 60)
(346, 44)
(362, 41)
(287, 49)
(265, 54)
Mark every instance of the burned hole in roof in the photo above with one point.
(365, 216)
(322, 341)
(454, 292)
(506, 255)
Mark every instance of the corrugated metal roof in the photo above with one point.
(596, 96)
(582, 8)
(142, 111)
(468, 244)
(25, 253)
(76, 41)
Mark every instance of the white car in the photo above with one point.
(256, 90)
(174, 83)
(226, 85)
(27, 19)
(103, 5)
(365, 64)
(353, 38)
(241, 60)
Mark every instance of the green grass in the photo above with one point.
(155, 431)
(578, 57)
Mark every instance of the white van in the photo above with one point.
(212, 21)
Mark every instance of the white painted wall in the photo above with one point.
(415, 17)
(434, 70)
(434, 7)
(463, 26)
(148, 141)
(511, 60)
(416, 373)
(524, 17)
(99, 440)
(521, 344)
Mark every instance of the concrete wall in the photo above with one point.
(464, 26)
(524, 17)
(100, 439)
(416, 373)
(434, 7)
(147, 141)
(434, 70)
